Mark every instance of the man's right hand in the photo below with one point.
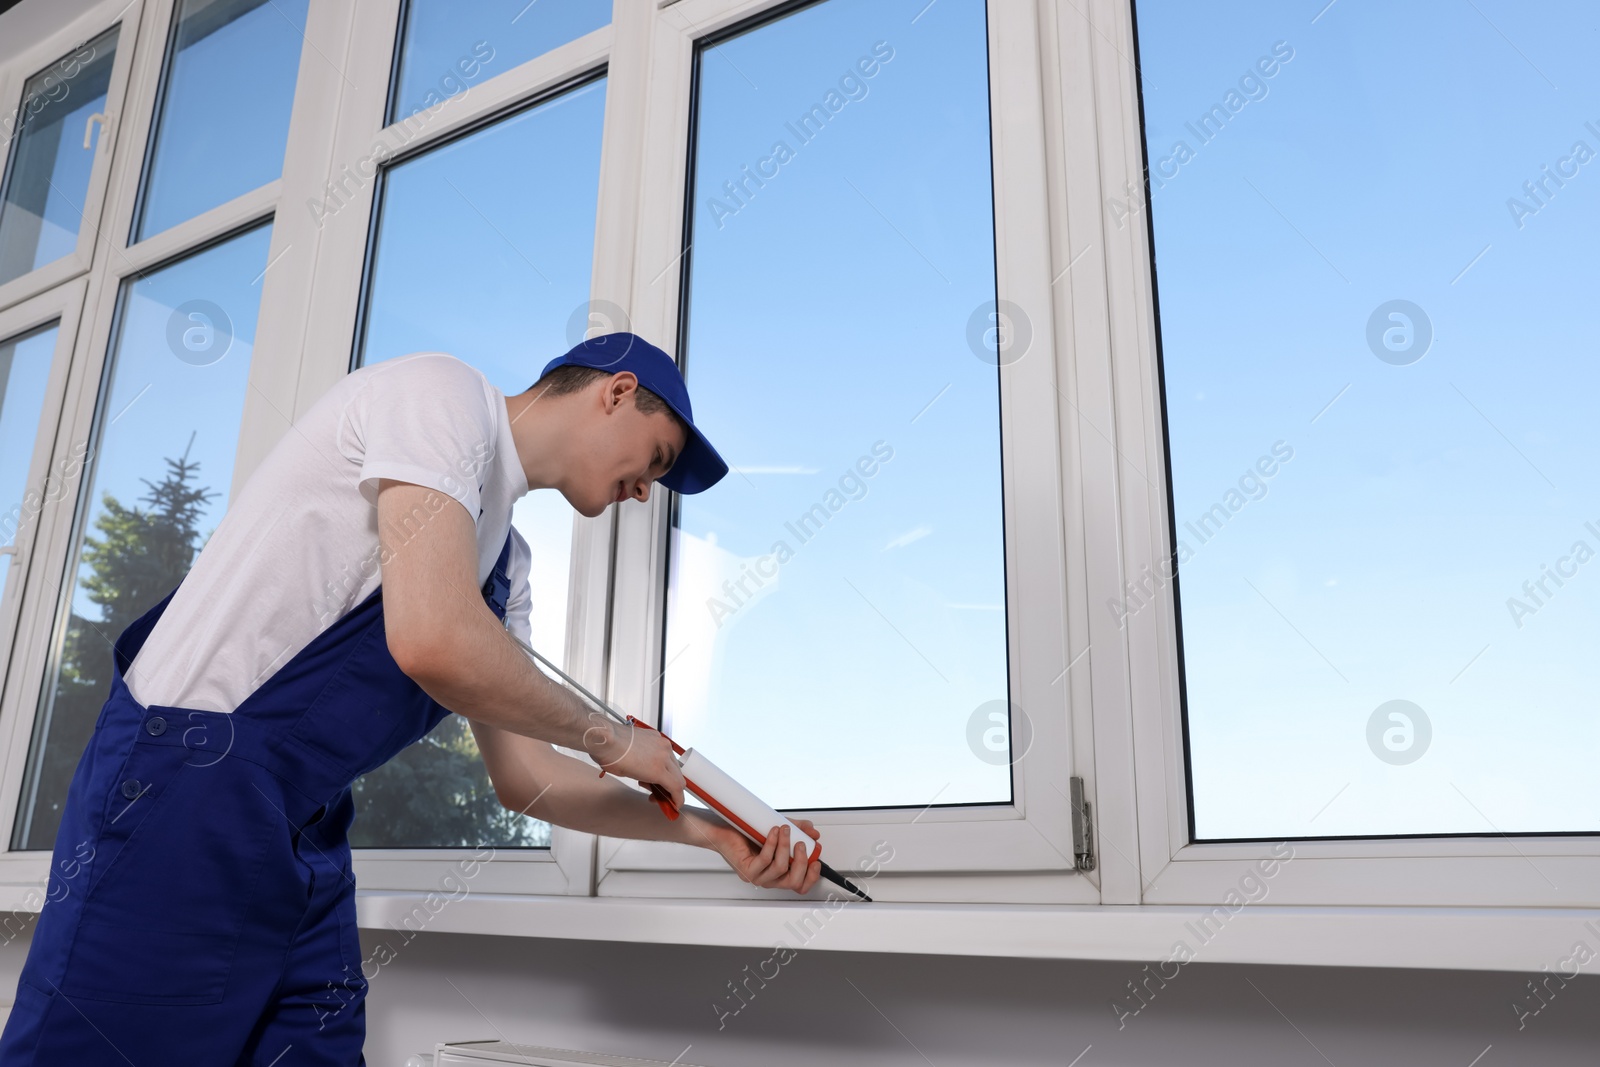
(636, 752)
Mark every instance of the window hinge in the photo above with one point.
(1082, 828)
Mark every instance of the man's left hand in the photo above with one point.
(775, 865)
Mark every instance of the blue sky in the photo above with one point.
(225, 119)
(827, 308)
(156, 400)
(1378, 166)
(222, 133)
(1384, 158)
(829, 324)
(441, 33)
(50, 149)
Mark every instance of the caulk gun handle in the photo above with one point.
(662, 798)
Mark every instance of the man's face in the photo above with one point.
(625, 450)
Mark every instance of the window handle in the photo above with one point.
(88, 126)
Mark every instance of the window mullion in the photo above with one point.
(309, 247)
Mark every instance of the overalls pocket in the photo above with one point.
(161, 923)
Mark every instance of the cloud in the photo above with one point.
(776, 470)
(909, 536)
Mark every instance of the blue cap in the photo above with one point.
(698, 466)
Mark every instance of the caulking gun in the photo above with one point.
(739, 807)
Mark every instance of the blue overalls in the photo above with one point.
(202, 908)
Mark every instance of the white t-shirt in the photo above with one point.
(299, 546)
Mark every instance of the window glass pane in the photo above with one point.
(224, 111)
(168, 421)
(447, 47)
(843, 246)
(511, 295)
(24, 373)
(47, 176)
(1377, 317)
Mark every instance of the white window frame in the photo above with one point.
(1141, 681)
(1018, 852)
(61, 307)
(14, 75)
(1081, 416)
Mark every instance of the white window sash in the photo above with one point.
(56, 481)
(14, 75)
(1025, 848)
(1137, 680)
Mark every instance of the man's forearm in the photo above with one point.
(480, 673)
(606, 806)
(533, 778)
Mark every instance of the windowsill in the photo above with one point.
(1449, 938)
(1495, 939)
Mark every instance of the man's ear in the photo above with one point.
(619, 388)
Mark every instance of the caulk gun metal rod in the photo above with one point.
(571, 681)
(828, 872)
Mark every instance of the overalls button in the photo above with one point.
(130, 788)
(156, 726)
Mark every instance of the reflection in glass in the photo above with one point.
(1377, 316)
(505, 298)
(53, 151)
(224, 109)
(449, 47)
(24, 373)
(836, 619)
(162, 463)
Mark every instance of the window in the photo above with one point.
(24, 377)
(1382, 513)
(444, 44)
(515, 295)
(223, 117)
(54, 136)
(1002, 526)
(158, 482)
(827, 585)
(847, 308)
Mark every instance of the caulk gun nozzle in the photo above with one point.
(842, 882)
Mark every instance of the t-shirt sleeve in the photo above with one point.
(519, 603)
(423, 419)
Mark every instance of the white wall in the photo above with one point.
(33, 20)
(845, 1008)
(653, 1000)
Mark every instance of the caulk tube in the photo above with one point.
(744, 804)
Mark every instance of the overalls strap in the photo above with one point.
(497, 587)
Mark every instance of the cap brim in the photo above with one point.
(698, 466)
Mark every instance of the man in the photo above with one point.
(356, 592)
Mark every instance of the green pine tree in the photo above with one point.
(140, 555)
(435, 793)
